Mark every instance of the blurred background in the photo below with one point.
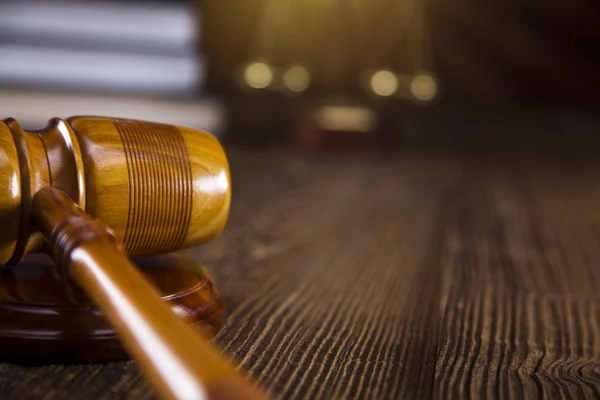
(354, 255)
(318, 75)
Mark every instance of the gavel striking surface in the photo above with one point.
(47, 319)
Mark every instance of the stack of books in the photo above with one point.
(124, 59)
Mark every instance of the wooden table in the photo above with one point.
(410, 277)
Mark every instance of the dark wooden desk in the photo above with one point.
(413, 277)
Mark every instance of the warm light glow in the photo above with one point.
(214, 185)
(384, 83)
(423, 87)
(349, 119)
(65, 132)
(15, 186)
(258, 75)
(296, 79)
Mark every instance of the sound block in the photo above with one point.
(45, 318)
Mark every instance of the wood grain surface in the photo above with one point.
(413, 277)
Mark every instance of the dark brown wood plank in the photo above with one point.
(522, 314)
(341, 299)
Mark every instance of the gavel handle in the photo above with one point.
(177, 361)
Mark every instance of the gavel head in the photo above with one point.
(158, 187)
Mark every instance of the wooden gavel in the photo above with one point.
(93, 191)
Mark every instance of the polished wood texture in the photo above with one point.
(159, 187)
(177, 361)
(45, 318)
(10, 204)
